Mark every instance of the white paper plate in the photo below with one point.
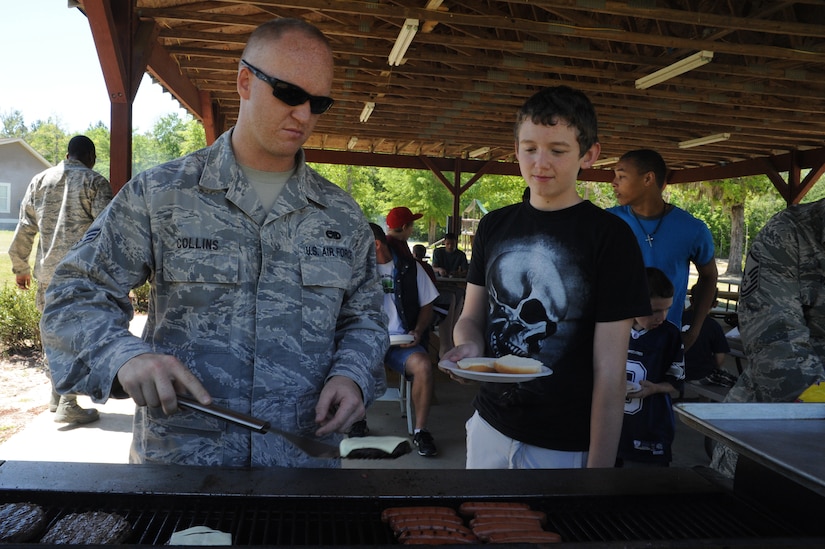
(401, 339)
(491, 377)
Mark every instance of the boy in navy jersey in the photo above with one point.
(655, 374)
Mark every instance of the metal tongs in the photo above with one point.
(310, 446)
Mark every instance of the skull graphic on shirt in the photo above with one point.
(528, 299)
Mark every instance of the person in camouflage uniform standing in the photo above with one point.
(60, 203)
(781, 313)
(264, 293)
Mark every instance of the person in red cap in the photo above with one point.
(399, 229)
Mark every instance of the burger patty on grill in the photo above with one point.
(21, 522)
(92, 528)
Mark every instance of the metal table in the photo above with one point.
(788, 438)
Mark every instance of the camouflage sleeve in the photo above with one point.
(90, 288)
(361, 336)
(23, 240)
(772, 319)
(101, 195)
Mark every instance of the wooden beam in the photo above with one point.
(111, 25)
(164, 68)
(410, 162)
(110, 50)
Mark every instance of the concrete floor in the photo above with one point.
(107, 441)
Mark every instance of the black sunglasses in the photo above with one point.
(291, 94)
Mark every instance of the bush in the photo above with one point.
(140, 298)
(19, 320)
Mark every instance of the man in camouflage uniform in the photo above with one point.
(781, 313)
(264, 294)
(60, 203)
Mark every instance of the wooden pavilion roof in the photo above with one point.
(451, 101)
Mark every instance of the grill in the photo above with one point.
(622, 508)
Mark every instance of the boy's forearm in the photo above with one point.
(610, 343)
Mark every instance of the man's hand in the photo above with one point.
(154, 380)
(440, 271)
(24, 282)
(340, 405)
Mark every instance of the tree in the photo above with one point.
(171, 137)
(359, 181)
(13, 125)
(49, 139)
(101, 137)
(193, 137)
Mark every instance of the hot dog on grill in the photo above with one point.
(486, 529)
(431, 525)
(499, 520)
(444, 536)
(406, 520)
(512, 514)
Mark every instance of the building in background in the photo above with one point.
(18, 164)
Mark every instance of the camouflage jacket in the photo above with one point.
(782, 307)
(60, 203)
(263, 306)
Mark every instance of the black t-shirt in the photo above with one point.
(700, 359)
(450, 262)
(550, 276)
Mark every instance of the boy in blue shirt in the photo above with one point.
(655, 374)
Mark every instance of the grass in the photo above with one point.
(6, 276)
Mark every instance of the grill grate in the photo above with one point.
(677, 517)
(251, 523)
(303, 521)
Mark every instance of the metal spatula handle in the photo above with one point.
(213, 410)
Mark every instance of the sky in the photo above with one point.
(49, 68)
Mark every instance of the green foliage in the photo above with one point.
(19, 320)
(377, 190)
(140, 298)
(49, 139)
(171, 137)
(495, 191)
(13, 125)
(100, 136)
(358, 181)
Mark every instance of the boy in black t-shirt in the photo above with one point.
(557, 279)
(655, 374)
(704, 359)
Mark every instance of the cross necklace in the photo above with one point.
(661, 217)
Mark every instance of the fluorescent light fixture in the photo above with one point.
(369, 106)
(478, 152)
(715, 138)
(405, 38)
(352, 142)
(606, 162)
(687, 64)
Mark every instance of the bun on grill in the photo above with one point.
(512, 364)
